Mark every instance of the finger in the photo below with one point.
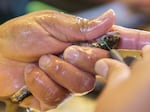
(11, 76)
(132, 38)
(113, 71)
(146, 52)
(66, 74)
(130, 93)
(84, 57)
(48, 29)
(70, 28)
(43, 88)
(32, 102)
(25, 36)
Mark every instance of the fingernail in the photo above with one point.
(101, 68)
(44, 61)
(103, 19)
(71, 54)
(28, 69)
(106, 14)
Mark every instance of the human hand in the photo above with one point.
(85, 57)
(126, 88)
(26, 38)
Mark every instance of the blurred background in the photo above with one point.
(129, 13)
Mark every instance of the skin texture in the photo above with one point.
(132, 38)
(63, 74)
(127, 88)
(41, 83)
(22, 32)
(84, 57)
(129, 93)
(49, 30)
(25, 39)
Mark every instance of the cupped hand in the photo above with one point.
(25, 39)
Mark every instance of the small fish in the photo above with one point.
(108, 41)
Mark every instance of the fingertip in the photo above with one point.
(101, 68)
(146, 48)
(71, 54)
(112, 70)
(99, 26)
(108, 13)
(113, 12)
(28, 69)
(146, 51)
(44, 61)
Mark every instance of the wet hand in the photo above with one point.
(25, 39)
(127, 87)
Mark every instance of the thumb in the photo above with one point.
(69, 28)
(112, 70)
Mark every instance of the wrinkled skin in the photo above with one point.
(25, 39)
